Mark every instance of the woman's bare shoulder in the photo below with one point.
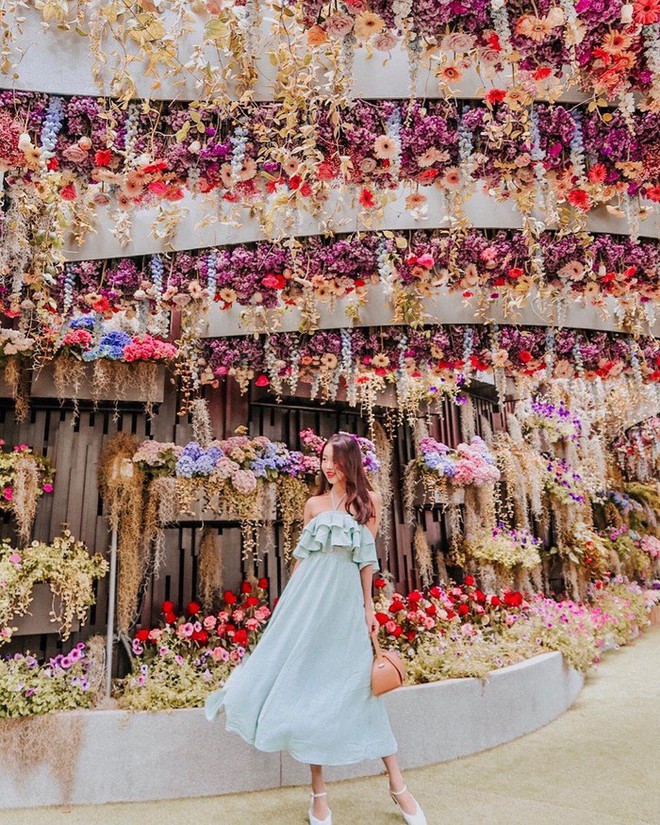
(315, 503)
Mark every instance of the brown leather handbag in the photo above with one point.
(388, 670)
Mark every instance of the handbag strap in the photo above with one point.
(374, 639)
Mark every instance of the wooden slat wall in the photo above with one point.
(74, 446)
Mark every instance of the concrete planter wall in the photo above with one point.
(140, 756)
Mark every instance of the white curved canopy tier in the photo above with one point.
(207, 220)
(373, 78)
(444, 308)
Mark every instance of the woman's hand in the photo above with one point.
(371, 620)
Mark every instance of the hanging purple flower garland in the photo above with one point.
(491, 265)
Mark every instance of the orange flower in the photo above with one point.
(385, 148)
(367, 24)
(451, 177)
(316, 35)
(450, 73)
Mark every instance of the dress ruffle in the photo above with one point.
(337, 529)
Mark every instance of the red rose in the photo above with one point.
(192, 608)
(410, 635)
(241, 637)
(305, 190)
(262, 381)
(167, 607)
(200, 636)
(435, 592)
(252, 601)
(68, 193)
(431, 610)
(325, 171)
(229, 597)
(396, 606)
(379, 583)
(102, 157)
(414, 596)
(479, 596)
(263, 583)
(515, 272)
(463, 609)
(397, 632)
(170, 618)
(450, 614)
(382, 618)
(525, 356)
(246, 587)
(469, 581)
(542, 73)
(295, 181)
(495, 601)
(142, 635)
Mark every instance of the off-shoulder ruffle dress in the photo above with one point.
(306, 686)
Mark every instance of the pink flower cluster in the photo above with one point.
(475, 464)
(146, 348)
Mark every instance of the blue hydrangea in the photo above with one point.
(440, 464)
(84, 322)
(112, 345)
(258, 467)
(205, 464)
(185, 466)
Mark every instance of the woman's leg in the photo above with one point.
(319, 803)
(406, 800)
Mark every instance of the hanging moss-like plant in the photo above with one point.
(209, 587)
(122, 488)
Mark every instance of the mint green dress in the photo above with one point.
(306, 686)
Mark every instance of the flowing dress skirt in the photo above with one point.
(306, 686)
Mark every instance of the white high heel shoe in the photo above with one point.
(417, 818)
(312, 819)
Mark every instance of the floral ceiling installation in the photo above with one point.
(64, 159)
(607, 49)
(267, 278)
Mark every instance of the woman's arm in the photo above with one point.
(367, 572)
(307, 516)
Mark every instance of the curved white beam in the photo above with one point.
(444, 308)
(207, 220)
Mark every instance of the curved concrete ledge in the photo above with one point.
(126, 757)
(207, 220)
(444, 307)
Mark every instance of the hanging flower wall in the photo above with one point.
(423, 365)
(610, 48)
(64, 158)
(266, 278)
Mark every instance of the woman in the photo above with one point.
(306, 686)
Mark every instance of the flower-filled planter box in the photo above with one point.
(262, 503)
(38, 620)
(102, 380)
